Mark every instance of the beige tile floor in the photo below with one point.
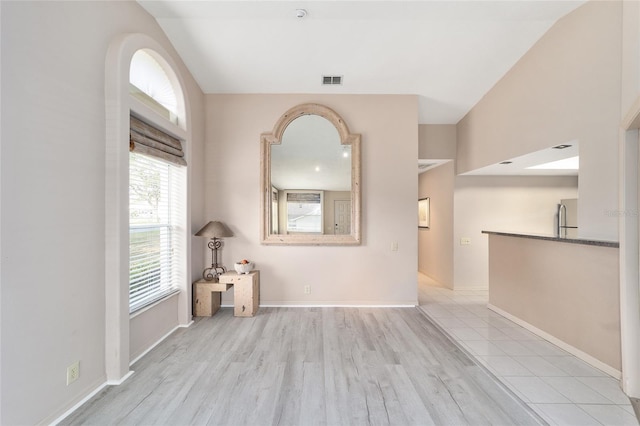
(561, 388)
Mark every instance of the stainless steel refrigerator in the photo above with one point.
(567, 219)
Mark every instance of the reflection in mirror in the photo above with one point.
(311, 171)
(311, 166)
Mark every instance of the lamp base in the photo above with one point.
(212, 273)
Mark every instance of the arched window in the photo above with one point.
(157, 186)
(149, 83)
(159, 103)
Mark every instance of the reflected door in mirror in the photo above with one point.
(342, 216)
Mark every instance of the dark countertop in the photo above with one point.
(583, 241)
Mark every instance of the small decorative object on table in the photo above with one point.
(243, 267)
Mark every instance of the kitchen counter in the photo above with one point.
(583, 241)
(566, 293)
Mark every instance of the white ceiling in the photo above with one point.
(311, 157)
(449, 53)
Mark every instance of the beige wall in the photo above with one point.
(516, 204)
(435, 245)
(368, 274)
(149, 326)
(567, 86)
(437, 141)
(630, 55)
(53, 197)
(569, 291)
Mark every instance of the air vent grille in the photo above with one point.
(331, 80)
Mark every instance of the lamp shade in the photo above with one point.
(215, 229)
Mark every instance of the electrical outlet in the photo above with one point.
(307, 289)
(394, 246)
(73, 372)
(465, 241)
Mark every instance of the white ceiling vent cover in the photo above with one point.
(329, 80)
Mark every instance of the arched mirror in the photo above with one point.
(310, 179)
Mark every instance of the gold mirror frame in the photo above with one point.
(275, 138)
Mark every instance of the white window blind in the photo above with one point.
(153, 234)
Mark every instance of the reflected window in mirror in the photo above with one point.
(311, 178)
(304, 212)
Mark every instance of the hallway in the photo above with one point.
(561, 388)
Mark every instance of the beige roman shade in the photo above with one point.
(304, 197)
(148, 140)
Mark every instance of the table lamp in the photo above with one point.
(214, 230)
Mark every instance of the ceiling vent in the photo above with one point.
(562, 146)
(331, 80)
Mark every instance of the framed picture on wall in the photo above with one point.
(423, 213)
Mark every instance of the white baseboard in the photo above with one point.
(327, 305)
(158, 342)
(82, 401)
(121, 380)
(562, 345)
(474, 288)
(334, 306)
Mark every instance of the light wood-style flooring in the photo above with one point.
(308, 366)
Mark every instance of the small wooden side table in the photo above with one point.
(246, 293)
(206, 297)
